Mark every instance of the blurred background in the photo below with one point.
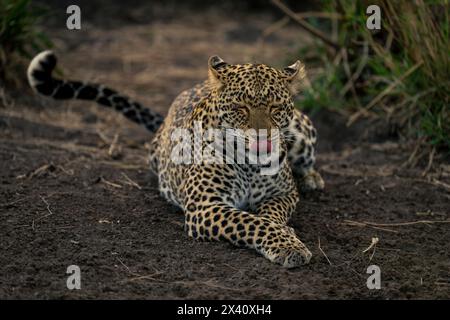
(398, 74)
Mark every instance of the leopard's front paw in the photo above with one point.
(288, 251)
(293, 257)
(312, 181)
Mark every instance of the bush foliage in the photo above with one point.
(399, 73)
(19, 38)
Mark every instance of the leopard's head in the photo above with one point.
(255, 96)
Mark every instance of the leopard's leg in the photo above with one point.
(219, 221)
(153, 153)
(212, 217)
(301, 137)
(278, 208)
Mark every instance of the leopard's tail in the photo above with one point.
(41, 80)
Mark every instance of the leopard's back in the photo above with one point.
(170, 174)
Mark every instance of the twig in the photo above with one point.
(398, 224)
(439, 183)
(36, 172)
(373, 245)
(103, 137)
(131, 182)
(430, 162)
(359, 69)
(113, 150)
(208, 283)
(324, 254)
(47, 204)
(319, 14)
(112, 184)
(149, 277)
(305, 25)
(231, 267)
(413, 157)
(113, 146)
(137, 276)
(442, 282)
(350, 76)
(12, 203)
(359, 224)
(50, 167)
(69, 172)
(383, 93)
(122, 165)
(128, 269)
(177, 223)
(44, 216)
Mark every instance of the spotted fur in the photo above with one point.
(232, 202)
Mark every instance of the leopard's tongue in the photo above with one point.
(264, 146)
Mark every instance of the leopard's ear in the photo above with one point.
(215, 64)
(295, 75)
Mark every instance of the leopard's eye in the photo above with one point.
(243, 110)
(274, 110)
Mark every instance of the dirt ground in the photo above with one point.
(70, 195)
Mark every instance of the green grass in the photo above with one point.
(400, 73)
(20, 38)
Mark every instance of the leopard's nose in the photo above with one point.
(264, 146)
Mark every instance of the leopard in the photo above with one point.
(222, 201)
